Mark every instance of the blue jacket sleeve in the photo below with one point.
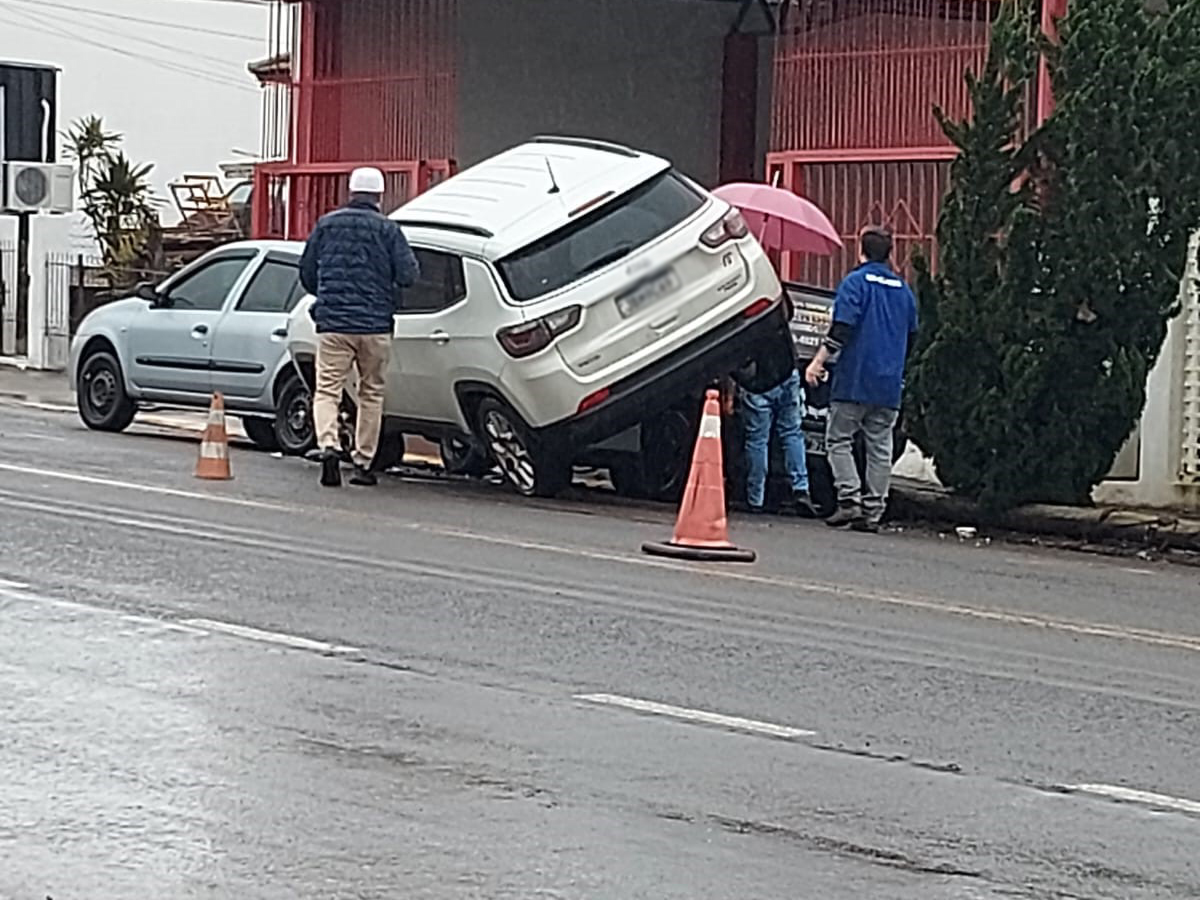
(848, 302)
(308, 261)
(405, 269)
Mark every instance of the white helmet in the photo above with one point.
(367, 180)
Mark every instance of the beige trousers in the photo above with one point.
(336, 354)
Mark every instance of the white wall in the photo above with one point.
(1160, 480)
(51, 237)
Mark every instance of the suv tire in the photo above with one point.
(529, 464)
(461, 455)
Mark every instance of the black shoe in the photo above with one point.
(331, 469)
(755, 510)
(845, 515)
(363, 477)
(802, 505)
(864, 526)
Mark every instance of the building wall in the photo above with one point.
(647, 73)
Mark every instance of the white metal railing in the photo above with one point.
(1189, 457)
(8, 298)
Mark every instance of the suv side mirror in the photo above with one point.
(145, 291)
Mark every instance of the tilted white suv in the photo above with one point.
(570, 289)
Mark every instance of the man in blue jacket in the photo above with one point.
(355, 262)
(874, 321)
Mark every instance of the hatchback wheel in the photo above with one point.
(261, 432)
(100, 391)
(294, 432)
(529, 465)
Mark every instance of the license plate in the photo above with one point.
(648, 292)
(814, 443)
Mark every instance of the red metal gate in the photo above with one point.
(903, 194)
(853, 127)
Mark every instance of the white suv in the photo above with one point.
(570, 290)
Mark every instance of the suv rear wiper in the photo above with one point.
(607, 259)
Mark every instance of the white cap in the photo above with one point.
(366, 180)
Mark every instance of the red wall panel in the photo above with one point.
(382, 80)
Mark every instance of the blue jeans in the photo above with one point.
(779, 407)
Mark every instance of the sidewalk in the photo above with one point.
(40, 388)
(51, 391)
(1150, 529)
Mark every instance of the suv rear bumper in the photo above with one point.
(661, 385)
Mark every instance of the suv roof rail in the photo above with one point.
(586, 143)
(473, 230)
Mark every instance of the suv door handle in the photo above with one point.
(199, 330)
(440, 337)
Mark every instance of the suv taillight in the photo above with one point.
(528, 338)
(731, 227)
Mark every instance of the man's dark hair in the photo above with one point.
(876, 243)
(364, 197)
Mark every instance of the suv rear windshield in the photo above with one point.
(600, 238)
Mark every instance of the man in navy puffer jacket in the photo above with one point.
(355, 262)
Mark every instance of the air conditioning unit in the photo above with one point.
(30, 186)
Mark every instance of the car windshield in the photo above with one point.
(601, 238)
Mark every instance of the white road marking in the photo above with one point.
(13, 585)
(271, 637)
(1144, 798)
(48, 407)
(685, 714)
(144, 488)
(18, 436)
(27, 597)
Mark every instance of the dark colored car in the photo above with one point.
(661, 469)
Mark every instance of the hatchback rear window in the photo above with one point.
(600, 238)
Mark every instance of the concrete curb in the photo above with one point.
(914, 501)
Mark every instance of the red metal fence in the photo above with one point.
(289, 197)
(373, 83)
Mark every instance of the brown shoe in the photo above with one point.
(846, 515)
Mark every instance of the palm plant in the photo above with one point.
(89, 144)
(115, 193)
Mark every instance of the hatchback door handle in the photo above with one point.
(279, 333)
(199, 330)
(440, 337)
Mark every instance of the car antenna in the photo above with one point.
(553, 181)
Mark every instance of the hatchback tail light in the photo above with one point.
(731, 227)
(528, 338)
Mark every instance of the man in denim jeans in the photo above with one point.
(874, 320)
(772, 400)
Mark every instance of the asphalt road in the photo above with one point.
(436, 690)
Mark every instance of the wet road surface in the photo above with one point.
(436, 690)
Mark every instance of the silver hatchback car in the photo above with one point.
(220, 324)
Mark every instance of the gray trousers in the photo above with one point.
(875, 424)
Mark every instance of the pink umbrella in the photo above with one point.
(780, 219)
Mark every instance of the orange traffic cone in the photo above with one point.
(701, 531)
(214, 445)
